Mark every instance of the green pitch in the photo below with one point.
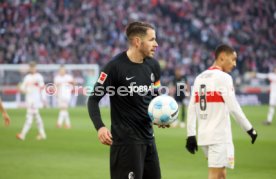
(76, 153)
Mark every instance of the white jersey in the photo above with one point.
(64, 84)
(32, 86)
(272, 78)
(213, 99)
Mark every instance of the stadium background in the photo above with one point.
(91, 32)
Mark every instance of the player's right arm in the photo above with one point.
(41, 86)
(104, 81)
(191, 144)
(191, 117)
(57, 85)
(23, 86)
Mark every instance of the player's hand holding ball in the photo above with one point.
(162, 125)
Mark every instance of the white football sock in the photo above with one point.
(27, 125)
(67, 119)
(270, 113)
(60, 118)
(40, 125)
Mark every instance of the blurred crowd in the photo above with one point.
(92, 31)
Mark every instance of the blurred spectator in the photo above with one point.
(88, 31)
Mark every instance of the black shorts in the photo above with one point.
(134, 161)
(180, 98)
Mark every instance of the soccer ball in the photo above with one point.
(163, 110)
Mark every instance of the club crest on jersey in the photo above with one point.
(131, 175)
(102, 78)
(152, 78)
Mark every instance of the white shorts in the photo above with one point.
(220, 155)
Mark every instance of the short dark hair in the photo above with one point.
(223, 48)
(137, 28)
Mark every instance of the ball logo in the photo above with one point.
(131, 175)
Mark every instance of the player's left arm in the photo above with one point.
(156, 86)
(234, 107)
(156, 80)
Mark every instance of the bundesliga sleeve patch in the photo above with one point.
(102, 78)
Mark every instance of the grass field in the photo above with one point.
(76, 153)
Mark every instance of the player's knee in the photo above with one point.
(222, 174)
(28, 117)
(28, 123)
(217, 173)
(39, 121)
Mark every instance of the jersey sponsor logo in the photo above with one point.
(129, 78)
(102, 78)
(139, 89)
(175, 113)
(211, 97)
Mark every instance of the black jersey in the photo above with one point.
(129, 86)
(180, 95)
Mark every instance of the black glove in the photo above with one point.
(191, 144)
(253, 134)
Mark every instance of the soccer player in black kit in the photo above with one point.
(129, 79)
(181, 86)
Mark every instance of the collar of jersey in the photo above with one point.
(215, 68)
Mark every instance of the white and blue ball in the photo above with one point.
(163, 110)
